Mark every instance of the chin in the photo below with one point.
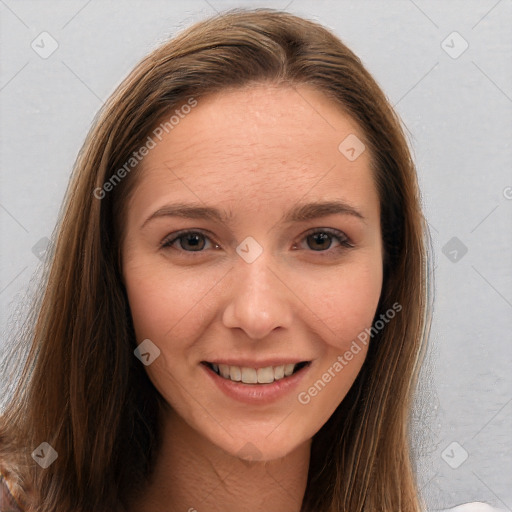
(265, 446)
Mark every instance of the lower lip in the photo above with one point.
(257, 393)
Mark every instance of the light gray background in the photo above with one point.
(458, 115)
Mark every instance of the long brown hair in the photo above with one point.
(83, 391)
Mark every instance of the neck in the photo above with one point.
(193, 475)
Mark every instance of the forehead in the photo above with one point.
(258, 142)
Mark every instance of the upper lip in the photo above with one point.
(257, 364)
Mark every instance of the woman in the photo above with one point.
(238, 300)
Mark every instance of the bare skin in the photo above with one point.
(254, 153)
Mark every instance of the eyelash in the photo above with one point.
(343, 239)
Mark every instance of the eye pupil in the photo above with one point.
(320, 237)
(193, 240)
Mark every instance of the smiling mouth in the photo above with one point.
(247, 375)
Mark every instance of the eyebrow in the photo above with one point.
(299, 213)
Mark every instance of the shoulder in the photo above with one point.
(7, 502)
(475, 506)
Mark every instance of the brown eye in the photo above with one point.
(189, 241)
(321, 240)
(195, 241)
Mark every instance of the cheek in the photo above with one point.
(166, 305)
(345, 312)
(349, 304)
(153, 299)
(151, 302)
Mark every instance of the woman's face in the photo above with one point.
(238, 275)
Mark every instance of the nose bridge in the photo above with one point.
(258, 299)
(257, 279)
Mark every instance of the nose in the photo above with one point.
(259, 299)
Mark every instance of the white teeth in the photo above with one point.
(249, 376)
(288, 369)
(235, 373)
(279, 372)
(265, 375)
(224, 370)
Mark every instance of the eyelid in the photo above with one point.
(342, 238)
